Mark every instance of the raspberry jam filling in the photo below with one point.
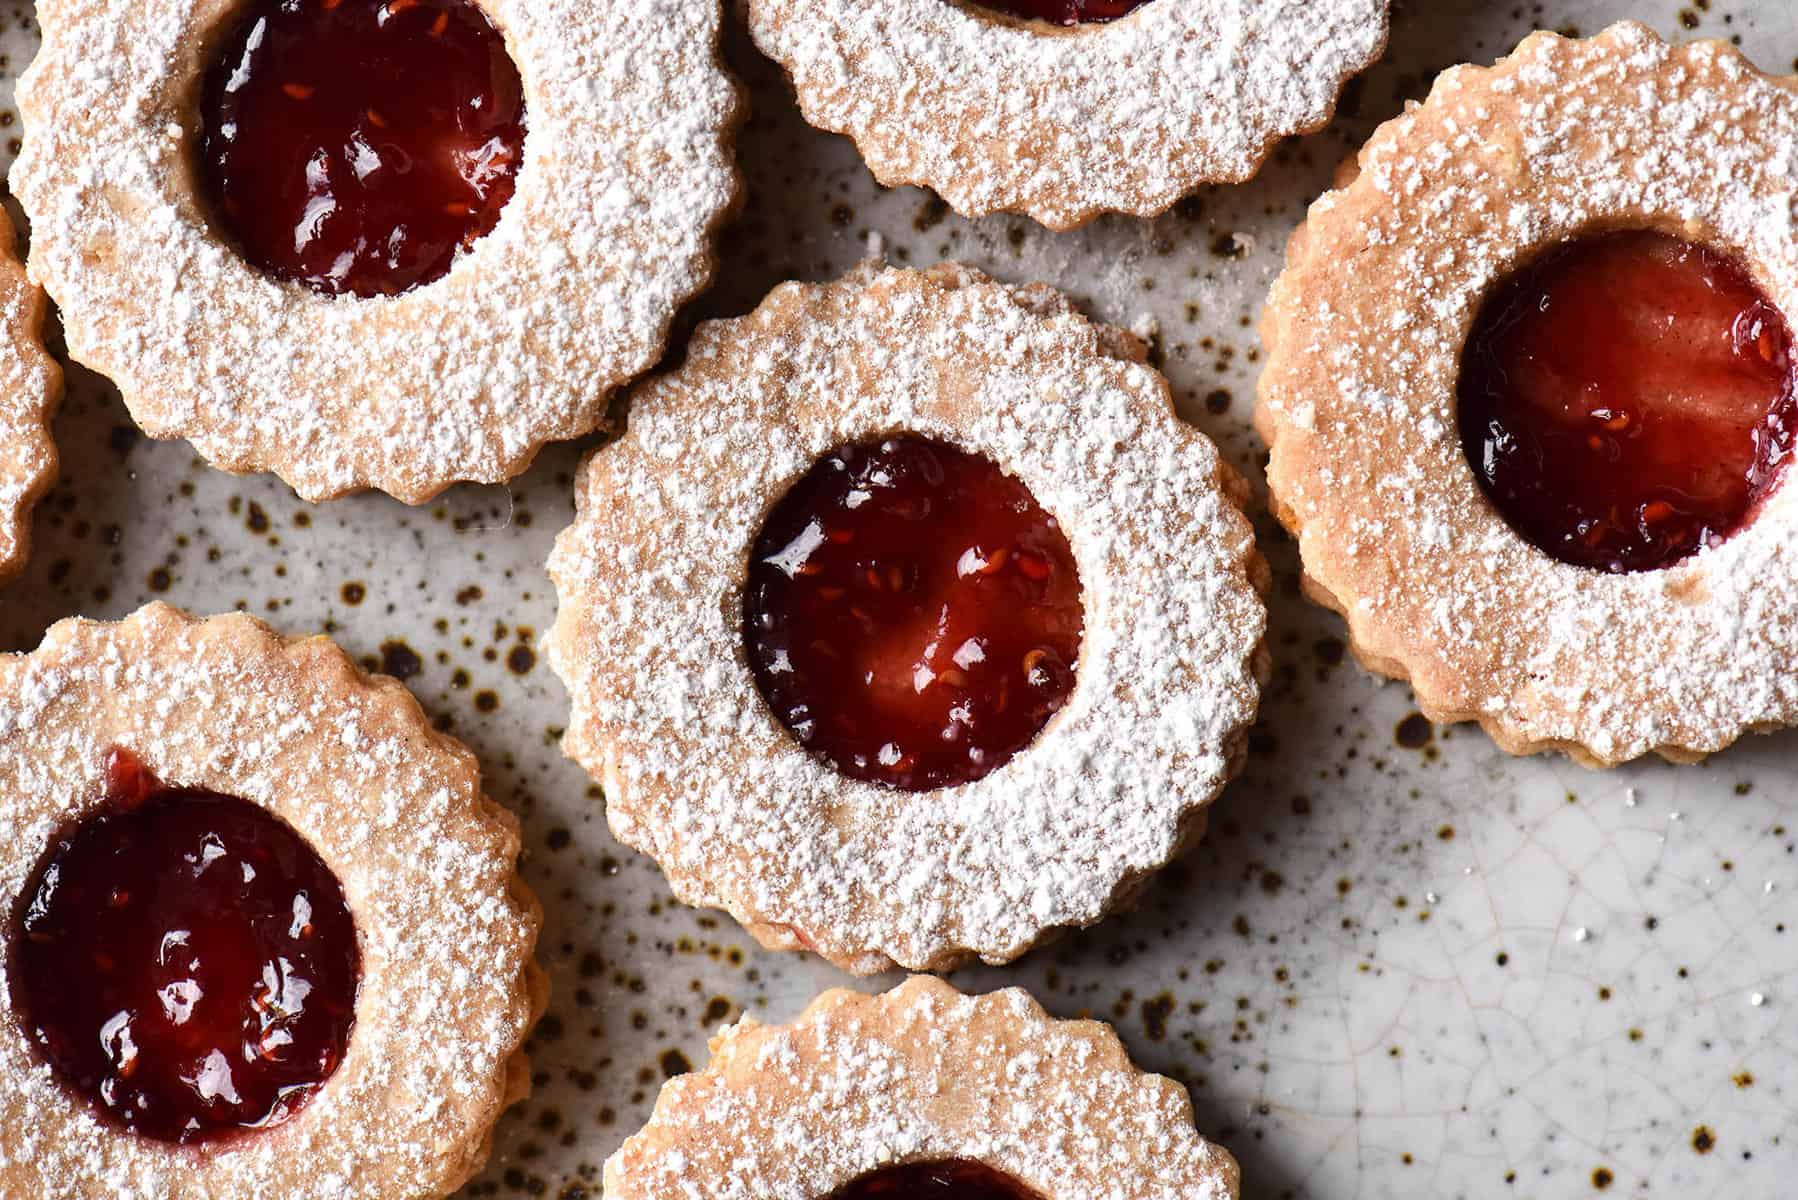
(1065, 12)
(951, 1179)
(357, 145)
(185, 961)
(1627, 400)
(913, 616)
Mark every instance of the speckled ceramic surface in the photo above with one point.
(1403, 964)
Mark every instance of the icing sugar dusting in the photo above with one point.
(1060, 124)
(1562, 138)
(626, 173)
(427, 866)
(701, 776)
(923, 1072)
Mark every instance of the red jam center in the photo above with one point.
(913, 615)
(357, 145)
(1627, 400)
(952, 1179)
(1064, 12)
(185, 961)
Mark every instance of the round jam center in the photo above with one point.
(913, 616)
(1064, 12)
(185, 961)
(357, 145)
(1627, 400)
(953, 1179)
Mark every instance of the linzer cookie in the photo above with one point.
(373, 243)
(1532, 396)
(265, 935)
(922, 1092)
(30, 386)
(907, 622)
(1063, 109)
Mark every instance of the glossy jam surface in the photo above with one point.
(952, 1179)
(913, 615)
(185, 961)
(1627, 400)
(357, 145)
(1065, 12)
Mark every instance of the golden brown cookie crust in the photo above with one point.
(465, 378)
(428, 867)
(1364, 331)
(30, 388)
(1060, 124)
(701, 776)
(921, 1073)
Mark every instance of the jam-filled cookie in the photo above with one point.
(1532, 396)
(387, 244)
(30, 386)
(265, 936)
(921, 1092)
(1063, 109)
(907, 621)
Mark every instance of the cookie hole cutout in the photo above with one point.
(184, 961)
(948, 1179)
(358, 146)
(912, 615)
(1628, 399)
(1066, 13)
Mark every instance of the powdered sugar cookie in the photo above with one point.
(907, 622)
(1063, 109)
(1532, 395)
(922, 1091)
(373, 244)
(266, 936)
(30, 386)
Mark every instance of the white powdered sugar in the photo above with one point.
(626, 173)
(920, 1074)
(1003, 115)
(427, 866)
(699, 773)
(1365, 331)
(30, 384)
